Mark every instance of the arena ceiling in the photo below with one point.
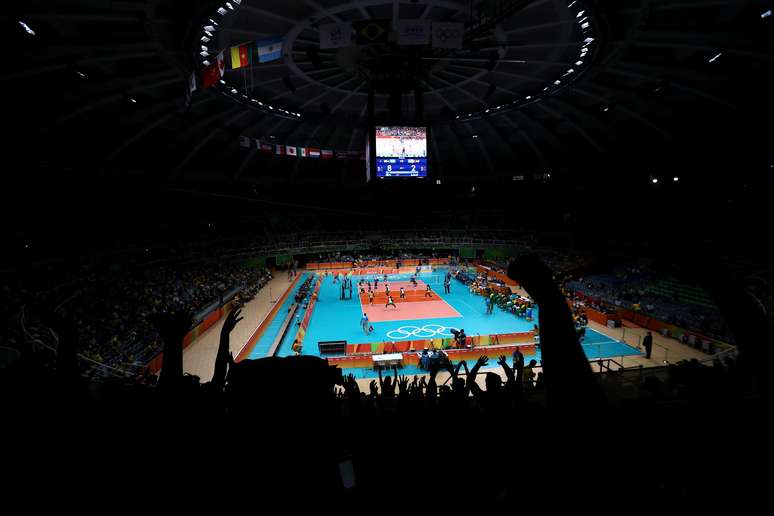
(99, 85)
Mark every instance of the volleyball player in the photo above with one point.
(370, 297)
(402, 293)
(429, 291)
(390, 302)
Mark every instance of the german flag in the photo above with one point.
(241, 56)
(371, 32)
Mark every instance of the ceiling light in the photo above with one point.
(133, 101)
(675, 179)
(204, 53)
(585, 25)
(222, 11)
(529, 97)
(81, 74)
(206, 63)
(605, 109)
(475, 136)
(27, 28)
(654, 181)
(588, 40)
(205, 39)
(228, 4)
(578, 63)
(572, 3)
(764, 15)
(715, 58)
(222, 81)
(580, 14)
(568, 72)
(204, 47)
(234, 91)
(208, 33)
(208, 29)
(557, 82)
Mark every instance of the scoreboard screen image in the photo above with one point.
(401, 151)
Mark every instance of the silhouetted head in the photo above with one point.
(532, 363)
(492, 382)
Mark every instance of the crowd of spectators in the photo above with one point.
(111, 311)
(344, 443)
(631, 288)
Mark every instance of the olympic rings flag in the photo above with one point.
(428, 331)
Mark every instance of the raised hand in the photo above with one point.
(373, 388)
(231, 321)
(482, 361)
(534, 276)
(501, 360)
(403, 384)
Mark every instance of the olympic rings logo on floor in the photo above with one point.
(427, 331)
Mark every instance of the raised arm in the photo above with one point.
(471, 384)
(569, 379)
(222, 357)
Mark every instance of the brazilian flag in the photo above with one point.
(371, 32)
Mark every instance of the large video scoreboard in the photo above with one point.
(401, 151)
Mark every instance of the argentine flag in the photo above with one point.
(269, 49)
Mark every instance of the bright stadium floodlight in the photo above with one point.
(222, 81)
(27, 28)
(675, 179)
(529, 97)
(766, 14)
(654, 181)
(475, 136)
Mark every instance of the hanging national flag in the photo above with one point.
(291, 150)
(303, 152)
(413, 32)
(371, 32)
(314, 152)
(269, 49)
(244, 141)
(335, 35)
(326, 154)
(241, 56)
(212, 73)
(279, 150)
(266, 148)
(448, 34)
